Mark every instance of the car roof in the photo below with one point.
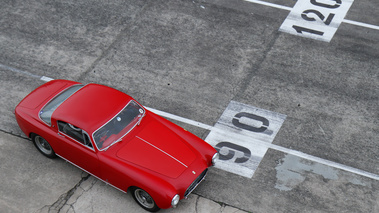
(91, 106)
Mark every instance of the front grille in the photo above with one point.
(195, 183)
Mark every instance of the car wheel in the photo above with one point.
(43, 146)
(144, 199)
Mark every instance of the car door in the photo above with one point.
(77, 148)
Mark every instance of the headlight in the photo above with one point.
(215, 156)
(175, 200)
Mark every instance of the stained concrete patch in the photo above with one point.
(292, 171)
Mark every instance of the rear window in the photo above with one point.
(48, 109)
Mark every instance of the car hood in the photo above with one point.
(159, 149)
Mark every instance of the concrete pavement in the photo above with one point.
(191, 59)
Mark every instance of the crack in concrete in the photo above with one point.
(223, 205)
(70, 203)
(58, 205)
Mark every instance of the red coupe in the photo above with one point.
(114, 138)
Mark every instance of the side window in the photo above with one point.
(74, 132)
(87, 141)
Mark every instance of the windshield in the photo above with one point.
(48, 109)
(118, 126)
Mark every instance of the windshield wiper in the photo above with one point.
(112, 144)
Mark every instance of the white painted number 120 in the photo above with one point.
(327, 21)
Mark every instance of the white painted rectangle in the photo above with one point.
(241, 136)
(316, 19)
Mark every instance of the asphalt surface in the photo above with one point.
(191, 59)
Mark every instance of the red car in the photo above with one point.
(114, 138)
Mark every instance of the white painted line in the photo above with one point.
(2, 66)
(43, 78)
(46, 79)
(270, 4)
(360, 24)
(177, 118)
(356, 23)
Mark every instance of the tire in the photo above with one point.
(43, 146)
(144, 199)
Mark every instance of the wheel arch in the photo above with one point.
(161, 191)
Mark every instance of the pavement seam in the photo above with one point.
(113, 44)
(13, 134)
(256, 67)
(197, 203)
